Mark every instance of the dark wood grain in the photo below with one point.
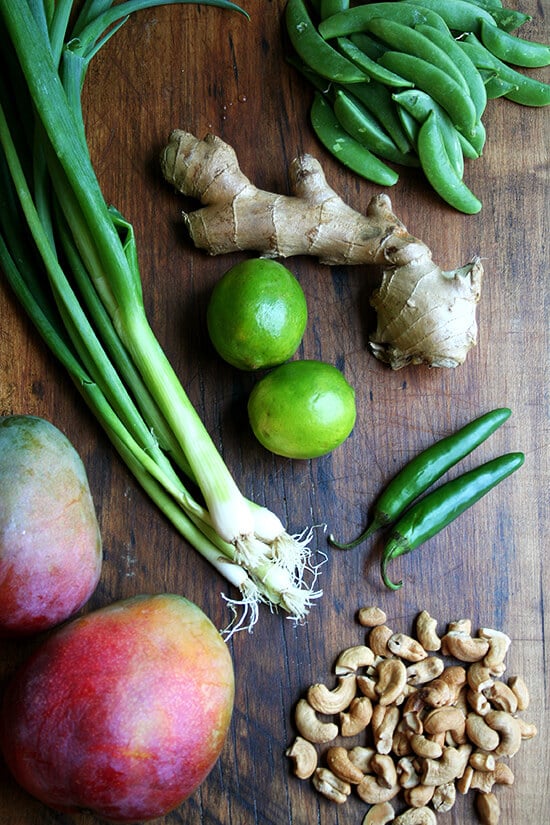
(203, 69)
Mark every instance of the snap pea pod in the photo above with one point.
(314, 51)
(527, 91)
(463, 16)
(367, 129)
(426, 468)
(438, 509)
(345, 148)
(355, 19)
(329, 7)
(439, 85)
(377, 98)
(465, 66)
(371, 67)
(412, 41)
(419, 105)
(496, 87)
(511, 49)
(440, 172)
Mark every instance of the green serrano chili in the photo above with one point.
(426, 468)
(439, 170)
(314, 51)
(345, 148)
(431, 514)
(511, 49)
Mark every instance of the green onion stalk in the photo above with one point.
(71, 260)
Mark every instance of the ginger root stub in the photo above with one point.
(439, 725)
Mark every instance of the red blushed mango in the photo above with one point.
(50, 545)
(122, 712)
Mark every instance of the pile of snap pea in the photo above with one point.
(407, 82)
(415, 519)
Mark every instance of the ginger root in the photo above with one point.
(425, 315)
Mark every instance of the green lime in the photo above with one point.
(257, 314)
(302, 409)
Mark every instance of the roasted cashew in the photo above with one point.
(361, 756)
(521, 691)
(332, 701)
(455, 676)
(437, 693)
(444, 797)
(331, 786)
(385, 719)
(419, 796)
(304, 757)
(446, 769)
(509, 729)
(488, 808)
(371, 616)
(460, 626)
(425, 670)
(478, 702)
(339, 763)
(416, 816)
(380, 814)
(367, 686)
(502, 697)
(464, 647)
(357, 717)
(378, 639)
(503, 774)
(350, 660)
(371, 791)
(479, 732)
(443, 719)
(392, 678)
(499, 643)
(422, 746)
(480, 677)
(311, 727)
(406, 647)
(383, 766)
(426, 631)
(528, 729)
(482, 761)
(407, 773)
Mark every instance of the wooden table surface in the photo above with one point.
(207, 70)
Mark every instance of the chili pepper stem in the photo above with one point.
(372, 528)
(390, 547)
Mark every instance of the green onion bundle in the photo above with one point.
(72, 263)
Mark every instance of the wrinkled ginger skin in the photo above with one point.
(425, 315)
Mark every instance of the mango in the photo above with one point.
(50, 543)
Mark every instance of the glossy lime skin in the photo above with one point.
(302, 409)
(257, 314)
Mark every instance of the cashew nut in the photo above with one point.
(380, 814)
(499, 643)
(482, 761)
(437, 693)
(367, 686)
(443, 719)
(456, 678)
(332, 701)
(464, 647)
(521, 691)
(385, 719)
(446, 769)
(371, 616)
(383, 766)
(444, 797)
(371, 791)
(478, 702)
(350, 660)
(488, 808)
(425, 670)
(392, 678)
(426, 631)
(406, 647)
(357, 717)
(416, 816)
(331, 786)
(304, 757)
(528, 729)
(361, 756)
(480, 677)
(419, 796)
(407, 773)
(378, 639)
(422, 746)
(502, 697)
(311, 727)
(509, 729)
(503, 774)
(480, 733)
(341, 766)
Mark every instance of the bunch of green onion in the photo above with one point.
(72, 263)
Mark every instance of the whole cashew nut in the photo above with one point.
(332, 701)
(311, 727)
(416, 816)
(446, 769)
(425, 670)
(406, 647)
(356, 719)
(304, 757)
(371, 791)
(426, 631)
(443, 719)
(339, 763)
(463, 647)
(509, 729)
(383, 766)
(392, 678)
(480, 733)
(371, 616)
(488, 808)
(350, 660)
(378, 639)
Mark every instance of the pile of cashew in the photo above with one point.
(434, 716)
